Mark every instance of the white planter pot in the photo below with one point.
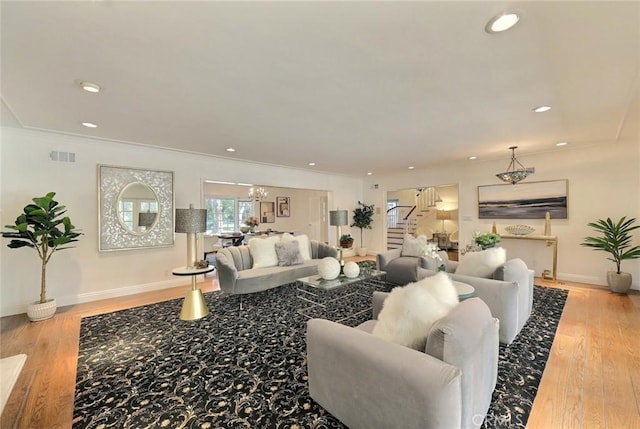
(37, 311)
(619, 283)
(362, 251)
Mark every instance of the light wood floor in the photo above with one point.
(592, 378)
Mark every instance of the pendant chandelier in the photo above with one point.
(257, 194)
(516, 171)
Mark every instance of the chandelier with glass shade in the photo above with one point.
(515, 171)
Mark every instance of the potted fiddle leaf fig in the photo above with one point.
(41, 226)
(362, 218)
(615, 240)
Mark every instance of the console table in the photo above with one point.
(551, 241)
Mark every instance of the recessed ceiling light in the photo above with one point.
(411, 167)
(230, 149)
(90, 86)
(502, 22)
(312, 164)
(89, 125)
(562, 143)
(369, 174)
(541, 109)
(472, 157)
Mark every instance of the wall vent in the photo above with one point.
(60, 156)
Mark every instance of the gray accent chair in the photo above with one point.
(369, 383)
(401, 270)
(236, 274)
(508, 293)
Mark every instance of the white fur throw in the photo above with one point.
(413, 246)
(483, 263)
(409, 312)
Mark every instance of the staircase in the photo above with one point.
(403, 219)
(400, 220)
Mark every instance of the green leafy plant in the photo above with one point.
(487, 240)
(615, 239)
(346, 237)
(363, 218)
(42, 227)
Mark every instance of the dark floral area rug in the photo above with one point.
(146, 368)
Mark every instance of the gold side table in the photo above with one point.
(193, 306)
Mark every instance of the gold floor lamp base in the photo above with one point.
(193, 306)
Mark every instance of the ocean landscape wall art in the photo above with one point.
(524, 200)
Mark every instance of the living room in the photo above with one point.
(603, 177)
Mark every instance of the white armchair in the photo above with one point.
(370, 383)
(508, 292)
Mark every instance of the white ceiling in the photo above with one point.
(352, 86)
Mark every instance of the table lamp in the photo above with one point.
(339, 218)
(192, 221)
(443, 215)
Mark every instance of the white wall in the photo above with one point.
(84, 274)
(604, 181)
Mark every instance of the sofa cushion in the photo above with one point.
(483, 263)
(413, 246)
(288, 253)
(263, 251)
(403, 270)
(409, 312)
(304, 242)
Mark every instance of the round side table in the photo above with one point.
(193, 306)
(465, 291)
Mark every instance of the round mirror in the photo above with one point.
(137, 208)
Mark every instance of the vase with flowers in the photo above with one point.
(431, 251)
(252, 223)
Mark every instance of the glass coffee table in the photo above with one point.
(335, 299)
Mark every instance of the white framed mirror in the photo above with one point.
(135, 208)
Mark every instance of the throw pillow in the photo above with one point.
(288, 253)
(263, 251)
(409, 312)
(483, 263)
(413, 246)
(303, 240)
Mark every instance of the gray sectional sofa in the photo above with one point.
(236, 274)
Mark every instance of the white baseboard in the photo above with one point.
(103, 294)
(591, 280)
(124, 291)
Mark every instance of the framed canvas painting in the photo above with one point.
(267, 212)
(524, 200)
(283, 208)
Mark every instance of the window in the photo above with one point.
(392, 215)
(130, 208)
(226, 214)
(125, 213)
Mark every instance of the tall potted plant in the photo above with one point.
(362, 218)
(616, 240)
(42, 227)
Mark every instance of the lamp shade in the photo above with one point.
(146, 219)
(191, 220)
(443, 215)
(338, 217)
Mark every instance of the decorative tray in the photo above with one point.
(519, 229)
